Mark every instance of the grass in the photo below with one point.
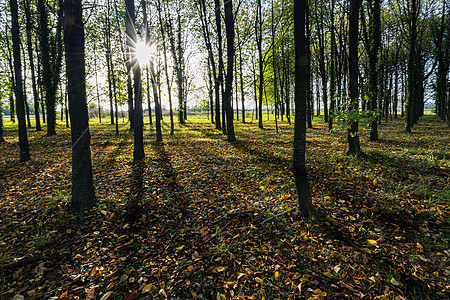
(383, 227)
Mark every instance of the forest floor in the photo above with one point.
(214, 220)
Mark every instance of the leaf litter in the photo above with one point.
(204, 219)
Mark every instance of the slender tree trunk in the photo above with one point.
(259, 36)
(305, 207)
(129, 32)
(166, 69)
(241, 77)
(12, 112)
(83, 194)
(97, 89)
(30, 54)
(353, 133)
(219, 39)
(2, 129)
(130, 20)
(229, 26)
(23, 139)
(332, 69)
(412, 91)
(375, 44)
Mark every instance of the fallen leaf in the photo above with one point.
(395, 282)
(106, 295)
(319, 293)
(148, 288)
(372, 242)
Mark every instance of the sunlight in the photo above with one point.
(143, 53)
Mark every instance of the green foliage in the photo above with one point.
(345, 115)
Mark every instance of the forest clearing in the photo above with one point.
(203, 220)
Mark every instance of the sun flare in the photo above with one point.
(143, 53)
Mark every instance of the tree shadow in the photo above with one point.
(134, 206)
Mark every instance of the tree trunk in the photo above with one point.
(375, 44)
(332, 69)
(229, 26)
(83, 194)
(352, 133)
(51, 63)
(30, 54)
(2, 130)
(23, 139)
(259, 36)
(305, 207)
(412, 91)
(169, 86)
(130, 20)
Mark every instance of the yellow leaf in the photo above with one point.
(220, 269)
(277, 274)
(327, 198)
(328, 274)
(319, 293)
(223, 296)
(106, 295)
(179, 248)
(439, 211)
(375, 182)
(148, 288)
(372, 242)
(94, 271)
(252, 227)
(229, 282)
(366, 250)
(111, 216)
(314, 240)
(258, 280)
(419, 246)
(69, 231)
(395, 282)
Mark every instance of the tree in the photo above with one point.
(374, 46)
(221, 67)
(166, 69)
(229, 26)
(30, 55)
(51, 57)
(353, 70)
(131, 36)
(305, 207)
(201, 7)
(259, 35)
(2, 139)
(83, 194)
(332, 69)
(18, 88)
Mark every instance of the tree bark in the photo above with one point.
(258, 35)
(166, 69)
(83, 194)
(23, 139)
(30, 54)
(352, 133)
(229, 26)
(305, 207)
(375, 44)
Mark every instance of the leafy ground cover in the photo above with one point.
(205, 219)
